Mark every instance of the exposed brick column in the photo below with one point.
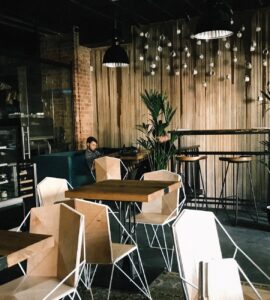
(83, 107)
(66, 49)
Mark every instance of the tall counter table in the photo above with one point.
(181, 133)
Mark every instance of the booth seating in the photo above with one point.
(69, 165)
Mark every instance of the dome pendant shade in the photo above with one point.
(214, 24)
(115, 56)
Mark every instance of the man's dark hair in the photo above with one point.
(91, 139)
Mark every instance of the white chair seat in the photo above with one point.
(121, 250)
(153, 218)
(36, 286)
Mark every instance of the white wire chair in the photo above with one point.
(101, 250)
(51, 190)
(196, 240)
(53, 273)
(159, 214)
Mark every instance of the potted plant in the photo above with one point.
(155, 138)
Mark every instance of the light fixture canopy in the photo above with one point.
(115, 56)
(216, 22)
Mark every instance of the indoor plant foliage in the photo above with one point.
(155, 138)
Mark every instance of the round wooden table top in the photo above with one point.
(237, 159)
(185, 158)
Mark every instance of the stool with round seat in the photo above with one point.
(237, 160)
(194, 162)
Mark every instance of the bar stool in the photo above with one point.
(237, 160)
(193, 161)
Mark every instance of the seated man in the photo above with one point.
(91, 153)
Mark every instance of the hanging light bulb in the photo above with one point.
(247, 79)
(169, 44)
(235, 59)
(239, 34)
(146, 47)
(152, 72)
(234, 49)
(186, 49)
(201, 56)
(195, 72)
(188, 54)
(204, 84)
(264, 63)
(258, 28)
(147, 35)
(168, 67)
(228, 76)
(177, 72)
(141, 33)
(243, 28)
(199, 42)
(178, 31)
(252, 48)
(162, 37)
(159, 49)
(219, 52)
(260, 98)
(227, 45)
(173, 54)
(157, 58)
(211, 65)
(153, 65)
(192, 36)
(141, 57)
(265, 52)
(185, 65)
(249, 65)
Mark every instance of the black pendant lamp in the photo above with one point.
(115, 56)
(216, 22)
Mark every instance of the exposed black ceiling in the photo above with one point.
(95, 18)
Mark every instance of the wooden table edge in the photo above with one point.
(25, 253)
(125, 197)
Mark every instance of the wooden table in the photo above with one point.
(124, 190)
(16, 247)
(133, 158)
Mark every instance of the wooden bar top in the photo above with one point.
(124, 190)
(16, 247)
(262, 130)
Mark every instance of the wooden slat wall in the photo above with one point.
(224, 103)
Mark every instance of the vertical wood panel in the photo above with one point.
(224, 103)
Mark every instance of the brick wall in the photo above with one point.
(66, 49)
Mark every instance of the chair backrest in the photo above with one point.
(107, 167)
(51, 189)
(97, 230)
(66, 226)
(196, 239)
(169, 202)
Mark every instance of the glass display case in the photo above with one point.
(39, 96)
(8, 181)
